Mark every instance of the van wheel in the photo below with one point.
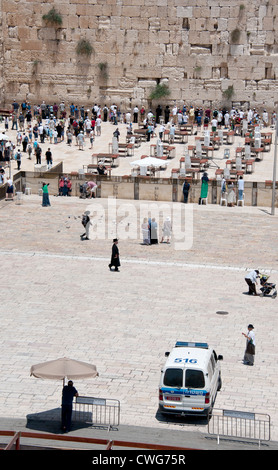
(219, 383)
(209, 414)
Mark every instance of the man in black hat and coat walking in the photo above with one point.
(115, 258)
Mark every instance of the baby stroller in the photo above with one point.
(267, 287)
(83, 191)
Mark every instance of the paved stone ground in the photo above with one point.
(59, 299)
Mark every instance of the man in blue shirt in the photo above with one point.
(69, 392)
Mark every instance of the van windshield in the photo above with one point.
(194, 378)
(173, 377)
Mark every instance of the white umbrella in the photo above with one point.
(61, 368)
(149, 161)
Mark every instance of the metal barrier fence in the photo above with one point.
(97, 411)
(240, 424)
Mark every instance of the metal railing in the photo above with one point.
(19, 440)
(97, 411)
(240, 424)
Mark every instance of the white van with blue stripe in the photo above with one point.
(190, 379)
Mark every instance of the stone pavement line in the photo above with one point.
(135, 261)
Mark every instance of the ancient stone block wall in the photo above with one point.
(207, 51)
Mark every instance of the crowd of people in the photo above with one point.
(36, 125)
(57, 121)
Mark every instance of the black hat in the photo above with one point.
(250, 326)
(115, 240)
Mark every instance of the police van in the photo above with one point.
(190, 379)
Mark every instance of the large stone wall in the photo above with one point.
(199, 48)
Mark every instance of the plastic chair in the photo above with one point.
(19, 197)
(240, 202)
(223, 199)
(28, 191)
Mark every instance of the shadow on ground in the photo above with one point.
(50, 421)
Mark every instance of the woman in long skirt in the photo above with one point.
(45, 195)
(249, 354)
(145, 232)
(204, 187)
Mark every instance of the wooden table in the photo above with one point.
(141, 133)
(257, 152)
(109, 158)
(92, 168)
(168, 150)
(195, 162)
(246, 165)
(126, 148)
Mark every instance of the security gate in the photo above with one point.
(239, 424)
(96, 411)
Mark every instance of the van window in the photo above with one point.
(173, 377)
(194, 378)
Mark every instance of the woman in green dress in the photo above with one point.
(45, 196)
(204, 187)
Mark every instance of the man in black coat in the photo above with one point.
(185, 190)
(69, 392)
(115, 258)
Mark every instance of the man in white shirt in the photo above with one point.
(128, 117)
(98, 125)
(227, 119)
(249, 115)
(214, 123)
(161, 131)
(174, 114)
(265, 118)
(135, 114)
(172, 134)
(88, 126)
(240, 186)
(251, 280)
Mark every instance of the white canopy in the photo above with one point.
(149, 161)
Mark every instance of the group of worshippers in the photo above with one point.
(149, 231)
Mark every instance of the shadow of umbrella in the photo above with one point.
(50, 421)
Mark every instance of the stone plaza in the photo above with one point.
(60, 299)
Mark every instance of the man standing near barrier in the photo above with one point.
(69, 392)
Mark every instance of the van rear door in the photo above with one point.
(172, 388)
(194, 394)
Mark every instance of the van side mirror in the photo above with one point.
(220, 357)
(167, 354)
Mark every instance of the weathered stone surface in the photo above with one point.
(141, 38)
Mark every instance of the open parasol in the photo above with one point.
(61, 368)
(149, 161)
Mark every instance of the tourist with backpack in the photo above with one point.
(18, 159)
